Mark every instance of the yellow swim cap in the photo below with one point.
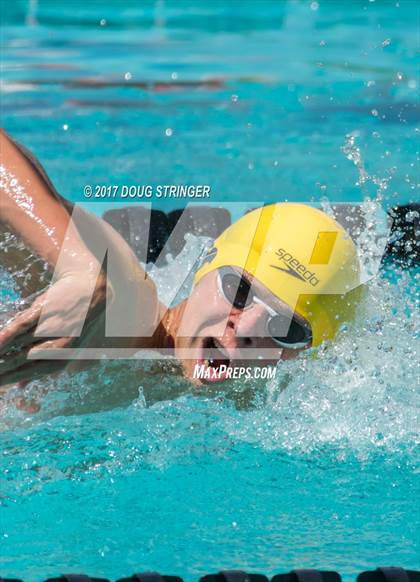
(302, 255)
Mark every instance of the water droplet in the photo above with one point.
(102, 22)
(174, 76)
(386, 42)
(412, 215)
(399, 76)
(234, 98)
(127, 76)
(375, 112)
(168, 131)
(65, 127)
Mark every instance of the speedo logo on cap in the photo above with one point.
(294, 268)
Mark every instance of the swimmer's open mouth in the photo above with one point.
(215, 357)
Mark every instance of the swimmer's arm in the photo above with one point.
(30, 208)
(46, 225)
(42, 219)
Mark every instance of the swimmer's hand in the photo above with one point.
(62, 308)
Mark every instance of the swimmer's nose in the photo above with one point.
(249, 326)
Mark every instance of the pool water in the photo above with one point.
(127, 468)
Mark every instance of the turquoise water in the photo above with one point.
(126, 468)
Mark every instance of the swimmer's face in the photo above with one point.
(216, 334)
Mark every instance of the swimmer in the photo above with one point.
(280, 280)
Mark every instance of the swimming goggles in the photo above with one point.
(285, 332)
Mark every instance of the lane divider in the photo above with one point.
(382, 574)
